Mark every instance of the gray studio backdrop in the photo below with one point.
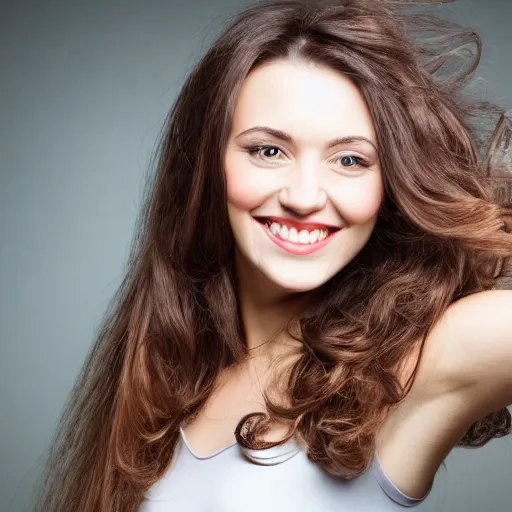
(84, 90)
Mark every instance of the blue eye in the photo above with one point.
(359, 161)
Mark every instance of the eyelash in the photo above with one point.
(361, 162)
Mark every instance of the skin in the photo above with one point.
(301, 179)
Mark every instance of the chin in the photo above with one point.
(296, 283)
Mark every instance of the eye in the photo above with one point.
(359, 162)
(255, 150)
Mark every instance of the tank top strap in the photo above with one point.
(391, 489)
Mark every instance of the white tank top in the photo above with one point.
(281, 478)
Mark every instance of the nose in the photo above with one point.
(302, 194)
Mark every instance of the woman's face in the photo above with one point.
(303, 206)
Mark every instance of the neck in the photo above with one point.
(265, 310)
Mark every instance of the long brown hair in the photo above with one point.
(174, 324)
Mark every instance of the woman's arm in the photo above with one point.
(479, 355)
(465, 373)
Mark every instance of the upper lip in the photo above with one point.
(298, 224)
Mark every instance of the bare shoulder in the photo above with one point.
(464, 374)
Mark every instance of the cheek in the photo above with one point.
(239, 194)
(359, 202)
(246, 188)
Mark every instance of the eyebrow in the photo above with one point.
(278, 134)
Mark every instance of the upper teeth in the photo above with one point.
(301, 237)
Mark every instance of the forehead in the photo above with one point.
(308, 101)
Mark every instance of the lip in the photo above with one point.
(296, 248)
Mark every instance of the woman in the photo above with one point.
(315, 311)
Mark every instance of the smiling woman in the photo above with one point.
(299, 327)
